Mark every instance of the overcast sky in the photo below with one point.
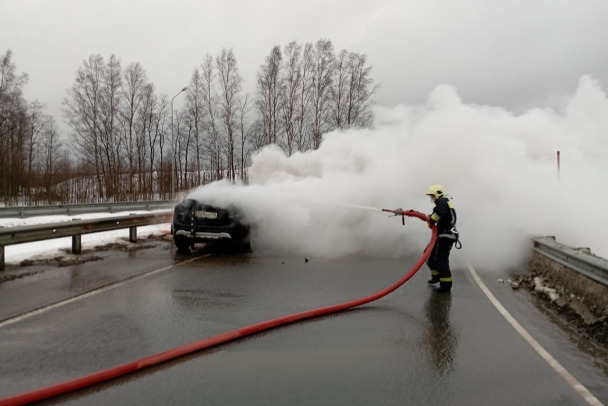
(515, 54)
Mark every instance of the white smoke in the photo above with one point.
(500, 168)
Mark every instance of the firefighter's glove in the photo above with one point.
(398, 212)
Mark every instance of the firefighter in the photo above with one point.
(444, 218)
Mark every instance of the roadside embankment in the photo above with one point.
(576, 297)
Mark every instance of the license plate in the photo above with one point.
(205, 214)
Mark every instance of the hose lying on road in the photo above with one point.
(120, 370)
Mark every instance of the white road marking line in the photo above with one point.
(576, 385)
(90, 293)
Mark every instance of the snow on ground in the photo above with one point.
(14, 254)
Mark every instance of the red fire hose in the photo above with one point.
(120, 370)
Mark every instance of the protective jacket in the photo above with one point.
(444, 215)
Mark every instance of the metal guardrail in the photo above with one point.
(576, 259)
(76, 228)
(75, 209)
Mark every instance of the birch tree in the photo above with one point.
(208, 83)
(145, 150)
(301, 131)
(50, 145)
(353, 91)
(323, 72)
(36, 120)
(244, 107)
(230, 86)
(196, 109)
(134, 86)
(111, 139)
(82, 110)
(268, 96)
(159, 136)
(291, 86)
(13, 127)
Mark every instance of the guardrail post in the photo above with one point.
(76, 242)
(133, 231)
(1, 255)
(133, 234)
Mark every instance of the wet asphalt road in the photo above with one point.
(413, 347)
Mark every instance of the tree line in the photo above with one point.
(125, 140)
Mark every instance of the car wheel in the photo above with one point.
(183, 244)
(246, 247)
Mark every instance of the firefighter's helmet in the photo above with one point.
(435, 190)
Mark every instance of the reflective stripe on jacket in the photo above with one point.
(444, 215)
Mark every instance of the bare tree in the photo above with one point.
(208, 86)
(302, 134)
(196, 109)
(340, 90)
(134, 86)
(145, 151)
(182, 145)
(50, 147)
(313, 91)
(13, 128)
(36, 123)
(159, 137)
(291, 86)
(268, 96)
(323, 73)
(230, 84)
(111, 139)
(82, 109)
(176, 143)
(119, 127)
(352, 102)
(244, 107)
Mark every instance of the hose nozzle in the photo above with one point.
(409, 213)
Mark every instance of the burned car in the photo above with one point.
(195, 221)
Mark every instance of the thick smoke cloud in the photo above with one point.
(500, 168)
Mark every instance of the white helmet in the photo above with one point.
(435, 190)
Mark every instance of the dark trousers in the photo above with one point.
(439, 262)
